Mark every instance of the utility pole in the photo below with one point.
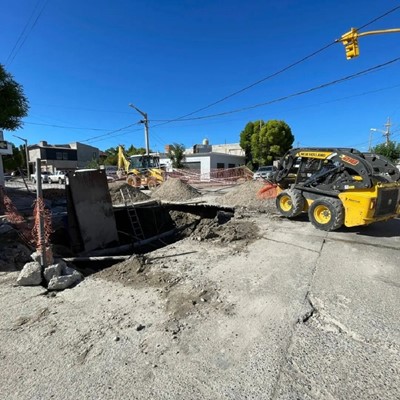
(386, 132)
(144, 121)
(26, 155)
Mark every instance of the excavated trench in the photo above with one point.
(152, 226)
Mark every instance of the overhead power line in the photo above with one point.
(282, 70)
(66, 127)
(313, 89)
(379, 17)
(22, 39)
(110, 132)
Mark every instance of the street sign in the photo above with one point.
(5, 148)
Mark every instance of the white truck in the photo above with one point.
(57, 177)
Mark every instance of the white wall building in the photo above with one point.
(203, 163)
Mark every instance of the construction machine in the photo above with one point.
(337, 186)
(140, 170)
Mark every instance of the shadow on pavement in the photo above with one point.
(379, 229)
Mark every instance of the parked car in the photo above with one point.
(265, 172)
(57, 177)
(44, 177)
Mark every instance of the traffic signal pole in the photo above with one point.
(350, 40)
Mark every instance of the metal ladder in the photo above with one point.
(132, 214)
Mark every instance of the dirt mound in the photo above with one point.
(245, 196)
(174, 189)
(135, 193)
(225, 233)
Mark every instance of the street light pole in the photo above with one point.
(145, 121)
(386, 133)
(26, 155)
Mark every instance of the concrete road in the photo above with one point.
(296, 314)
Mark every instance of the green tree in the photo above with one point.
(265, 141)
(13, 103)
(391, 150)
(112, 156)
(132, 150)
(16, 160)
(176, 154)
(246, 136)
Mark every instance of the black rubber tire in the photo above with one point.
(134, 181)
(326, 214)
(290, 203)
(152, 183)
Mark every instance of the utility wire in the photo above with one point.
(313, 89)
(65, 127)
(251, 85)
(282, 70)
(23, 31)
(16, 49)
(378, 18)
(353, 76)
(101, 138)
(111, 132)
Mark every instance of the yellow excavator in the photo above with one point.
(141, 170)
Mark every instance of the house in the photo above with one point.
(67, 157)
(203, 158)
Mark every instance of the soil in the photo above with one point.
(181, 293)
(134, 193)
(245, 196)
(174, 189)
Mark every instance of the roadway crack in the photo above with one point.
(325, 322)
(307, 311)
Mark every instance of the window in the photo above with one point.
(65, 156)
(59, 155)
(220, 165)
(231, 165)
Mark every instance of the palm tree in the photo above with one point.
(176, 154)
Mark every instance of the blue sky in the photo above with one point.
(83, 62)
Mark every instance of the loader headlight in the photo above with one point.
(372, 205)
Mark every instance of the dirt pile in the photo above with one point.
(245, 195)
(210, 229)
(174, 189)
(134, 193)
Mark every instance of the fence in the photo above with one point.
(218, 176)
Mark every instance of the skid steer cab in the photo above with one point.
(337, 186)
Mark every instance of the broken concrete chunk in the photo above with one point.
(51, 271)
(64, 281)
(30, 275)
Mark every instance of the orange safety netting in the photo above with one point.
(10, 211)
(41, 211)
(268, 191)
(14, 217)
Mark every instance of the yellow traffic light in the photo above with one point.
(350, 42)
